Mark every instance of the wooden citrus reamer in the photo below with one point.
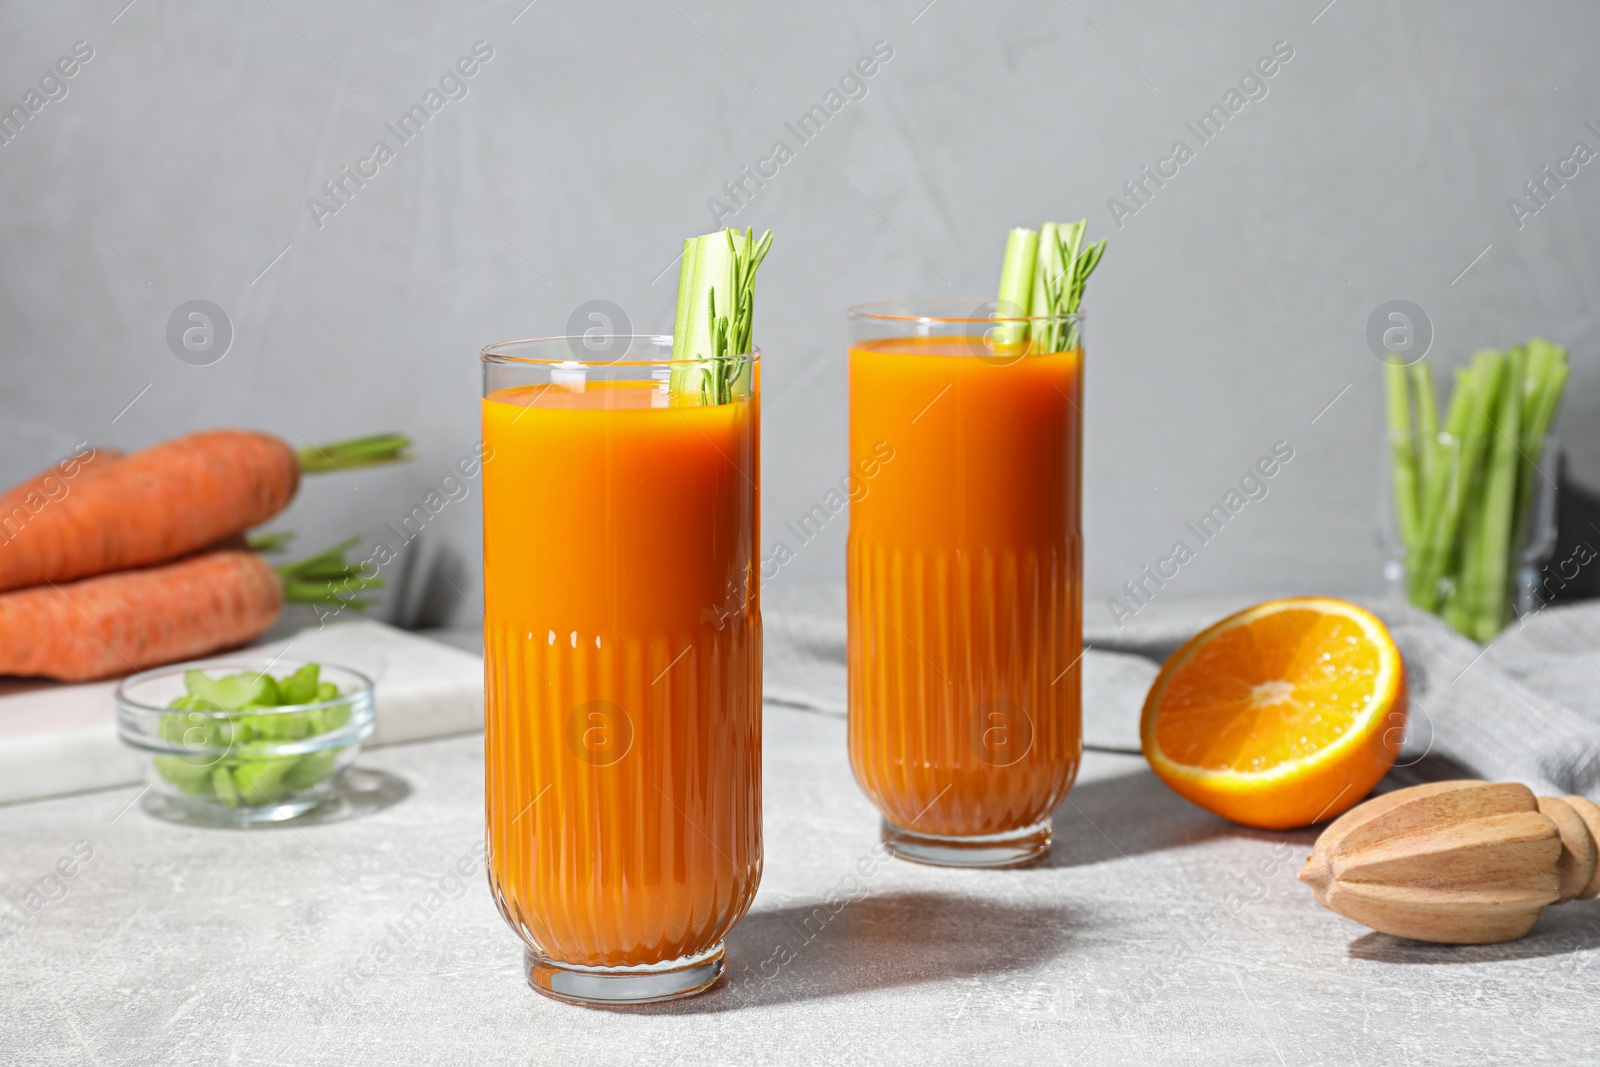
(1461, 862)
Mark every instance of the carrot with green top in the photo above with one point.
(151, 507)
(159, 504)
(53, 483)
(119, 623)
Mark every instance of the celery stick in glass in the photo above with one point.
(715, 314)
(1016, 287)
(1448, 553)
(1061, 270)
(1049, 270)
(1544, 380)
(1422, 570)
(1402, 448)
(1448, 495)
(1490, 572)
(1427, 425)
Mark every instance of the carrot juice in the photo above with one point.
(965, 604)
(622, 639)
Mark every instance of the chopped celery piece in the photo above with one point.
(300, 687)
(222, 782)
(186, 775)
(261, 781)
(232, 692)
(311, 768)
(187, 703)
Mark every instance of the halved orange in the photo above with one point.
(1283, 715)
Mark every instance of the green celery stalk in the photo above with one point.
(683, 324)
(1544, 382)
(1541, 358)
(1460, 557)
(706, 268)
(1048, 262)
(1544, 415)
(1537, 369)
(1427, 423)
(1422, 568)
(1042, 277)
(1461, 606)
(1543, 385)
(1049, 267)
(1491, 574)
(1467, 425)
(1015, 299)
(1403, 452)
(715, 315)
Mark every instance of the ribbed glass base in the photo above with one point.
(647, 983)
(1010, 849)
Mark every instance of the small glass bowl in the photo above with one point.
(236, 768)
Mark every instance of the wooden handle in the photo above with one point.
(1457, 862)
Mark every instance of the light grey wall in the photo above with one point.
(1229, 313)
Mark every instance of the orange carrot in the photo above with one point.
(151, 507)
(55, 481)
(119, 623)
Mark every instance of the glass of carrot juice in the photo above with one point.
(965, 577)
(622, 662)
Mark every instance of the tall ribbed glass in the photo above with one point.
(622, 660)
(965, 579)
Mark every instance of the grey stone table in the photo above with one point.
(1154, 933)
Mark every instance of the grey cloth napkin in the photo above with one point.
(1525, 708)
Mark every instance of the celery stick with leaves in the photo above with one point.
(716, 315)
(1043, 276)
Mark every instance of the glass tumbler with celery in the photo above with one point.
(1465, 488)
(965, 557)
(622, 640)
